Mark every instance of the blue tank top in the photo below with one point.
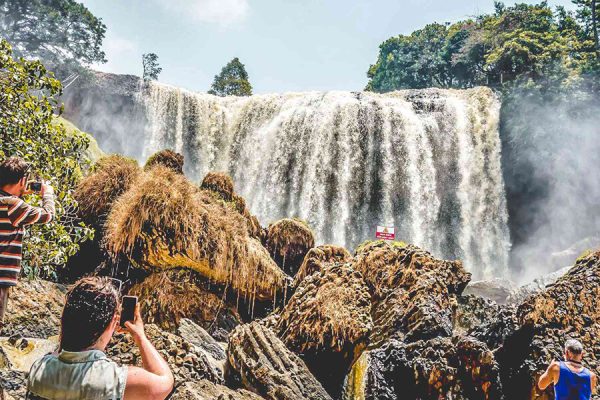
(572, 385)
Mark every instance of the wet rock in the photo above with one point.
(169, 296)
(34, 309)
(440, 368)
(197, 336)
(288, 240)
(186, 360)
(497, 329)
(320, 257)
(415, 293)
(206, 390)
(473, 312)
(328, 322)
(267, 367)
(497, 290)
(570, 307)
(13, 384)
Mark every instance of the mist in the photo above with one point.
(551, 159)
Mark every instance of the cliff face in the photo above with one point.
(109, 107)
(427, 161)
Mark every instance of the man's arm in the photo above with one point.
(594, 383)
(154, 380)
(550, 376)
(22, 214)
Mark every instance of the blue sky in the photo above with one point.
(286, 45)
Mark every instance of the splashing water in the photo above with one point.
(427, 161)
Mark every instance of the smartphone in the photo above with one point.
(128, 312)
(35, 186)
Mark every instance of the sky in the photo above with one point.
(286, 45)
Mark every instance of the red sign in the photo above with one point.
(385, 233)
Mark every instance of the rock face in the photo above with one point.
(288, 240)
(328, 321)
(168, 296)
(318, 258)
(444, 368)
(186, 361)
(206, 390)
(417, 347)
(34, 309)
(568, 308)
(415, 293)
(473, 312)
(268, 368)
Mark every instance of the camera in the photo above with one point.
(35, 186)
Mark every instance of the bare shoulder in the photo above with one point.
(554, 366)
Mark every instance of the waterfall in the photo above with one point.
(426, 161)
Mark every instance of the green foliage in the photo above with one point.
(63, 34)
(525, 45)
(151, 67)
(232, 81)
(28, 102)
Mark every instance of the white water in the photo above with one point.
(427, 161)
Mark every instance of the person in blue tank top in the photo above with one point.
(572, 381)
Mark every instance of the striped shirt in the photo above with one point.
(15, 215)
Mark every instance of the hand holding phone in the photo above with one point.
(128, 310)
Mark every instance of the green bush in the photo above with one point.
(28, 106)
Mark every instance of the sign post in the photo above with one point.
(385, 232)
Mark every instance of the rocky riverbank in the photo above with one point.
(242, 311)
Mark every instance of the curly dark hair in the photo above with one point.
(12, 170)
(89, 309)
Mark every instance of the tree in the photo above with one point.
(232, 81)
(62, 33)
(517, 45)
(28, 106)
(588, 13)
(151, 67)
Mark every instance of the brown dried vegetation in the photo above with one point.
(111, 176)
(166, 158)
(320, 257)
(165, 221)
(288, 240)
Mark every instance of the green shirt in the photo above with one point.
(81, 375)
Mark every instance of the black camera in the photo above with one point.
(35, 186)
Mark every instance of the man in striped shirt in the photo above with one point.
(15, 215)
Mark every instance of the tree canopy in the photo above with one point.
(28, 106)
(523, 44)
(150, 66)
(232, 81)
(61, 33)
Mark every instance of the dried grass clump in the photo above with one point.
(165, 221)
(288, 240)
(166, 158)
(330, 310)
(111, 176)
(320, 257)
(168, 296)
(220, 183)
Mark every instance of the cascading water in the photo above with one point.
(426, 161)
